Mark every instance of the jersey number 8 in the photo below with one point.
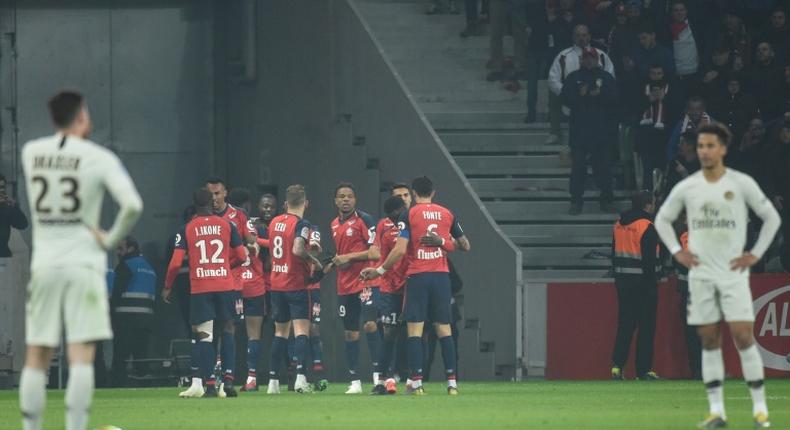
(277, 248)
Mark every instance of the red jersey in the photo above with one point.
(387, 234)
(254, 279)
(421, 219)
(289, 272)
(354, 234)
(208, 241)
(239, 219)
(264, 254)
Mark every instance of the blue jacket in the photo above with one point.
(134, 292)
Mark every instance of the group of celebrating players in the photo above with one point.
(243, 268)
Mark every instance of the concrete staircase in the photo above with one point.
(522, 180)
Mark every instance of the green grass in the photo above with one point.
(527, 405)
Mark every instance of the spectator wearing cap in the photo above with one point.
(734, 107)
(591, 94)
(776, 33)
(567, 62)
(765, 79)
(693, 117)
(10, 216)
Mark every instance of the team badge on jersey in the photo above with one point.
(366, 296)
(349, 232)
(729, 195)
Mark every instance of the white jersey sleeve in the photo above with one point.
(668, 213)
(122, 189)
(759, 203)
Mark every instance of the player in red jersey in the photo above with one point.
(353, 232)
(427, 295)
(314, 289)
(256, 284)
(214, 247)
(289, 243)
(239, 219)
(392, 282)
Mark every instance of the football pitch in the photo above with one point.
(526, 405)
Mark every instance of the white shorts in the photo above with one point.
(74, 297)
(709, 301)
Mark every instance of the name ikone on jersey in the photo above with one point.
(202, 272)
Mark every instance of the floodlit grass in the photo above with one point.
(526, 405)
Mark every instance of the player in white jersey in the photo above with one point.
(717, 202)
(66, 177)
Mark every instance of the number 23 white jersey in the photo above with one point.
(66, 178)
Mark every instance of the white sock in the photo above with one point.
(452, 383)
(713, 376)
(197, 382)
(79, 396)
(753, 373)
(301, 379)
(416, 384)
(32, 397)
(376, 378)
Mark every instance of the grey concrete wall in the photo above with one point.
(147, 71)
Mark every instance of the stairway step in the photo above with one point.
(567, 275)
(549, 211)
(539, 195)
(505, 185)
(566, 257)
(507, 164)
(559, 234)
(528, 142)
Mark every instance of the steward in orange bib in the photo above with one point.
(636, 267)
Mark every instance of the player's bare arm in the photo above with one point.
(392, 259)
(172, 271)
(300, 250)
(374, 253)
(463, 243)
(344, 259)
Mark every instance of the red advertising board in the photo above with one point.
(582, 319)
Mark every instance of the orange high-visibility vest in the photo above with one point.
(628, 247)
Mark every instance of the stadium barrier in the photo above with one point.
(582, 320)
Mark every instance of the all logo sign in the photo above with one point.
(772, 327)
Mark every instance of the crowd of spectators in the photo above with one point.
(675, 65)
